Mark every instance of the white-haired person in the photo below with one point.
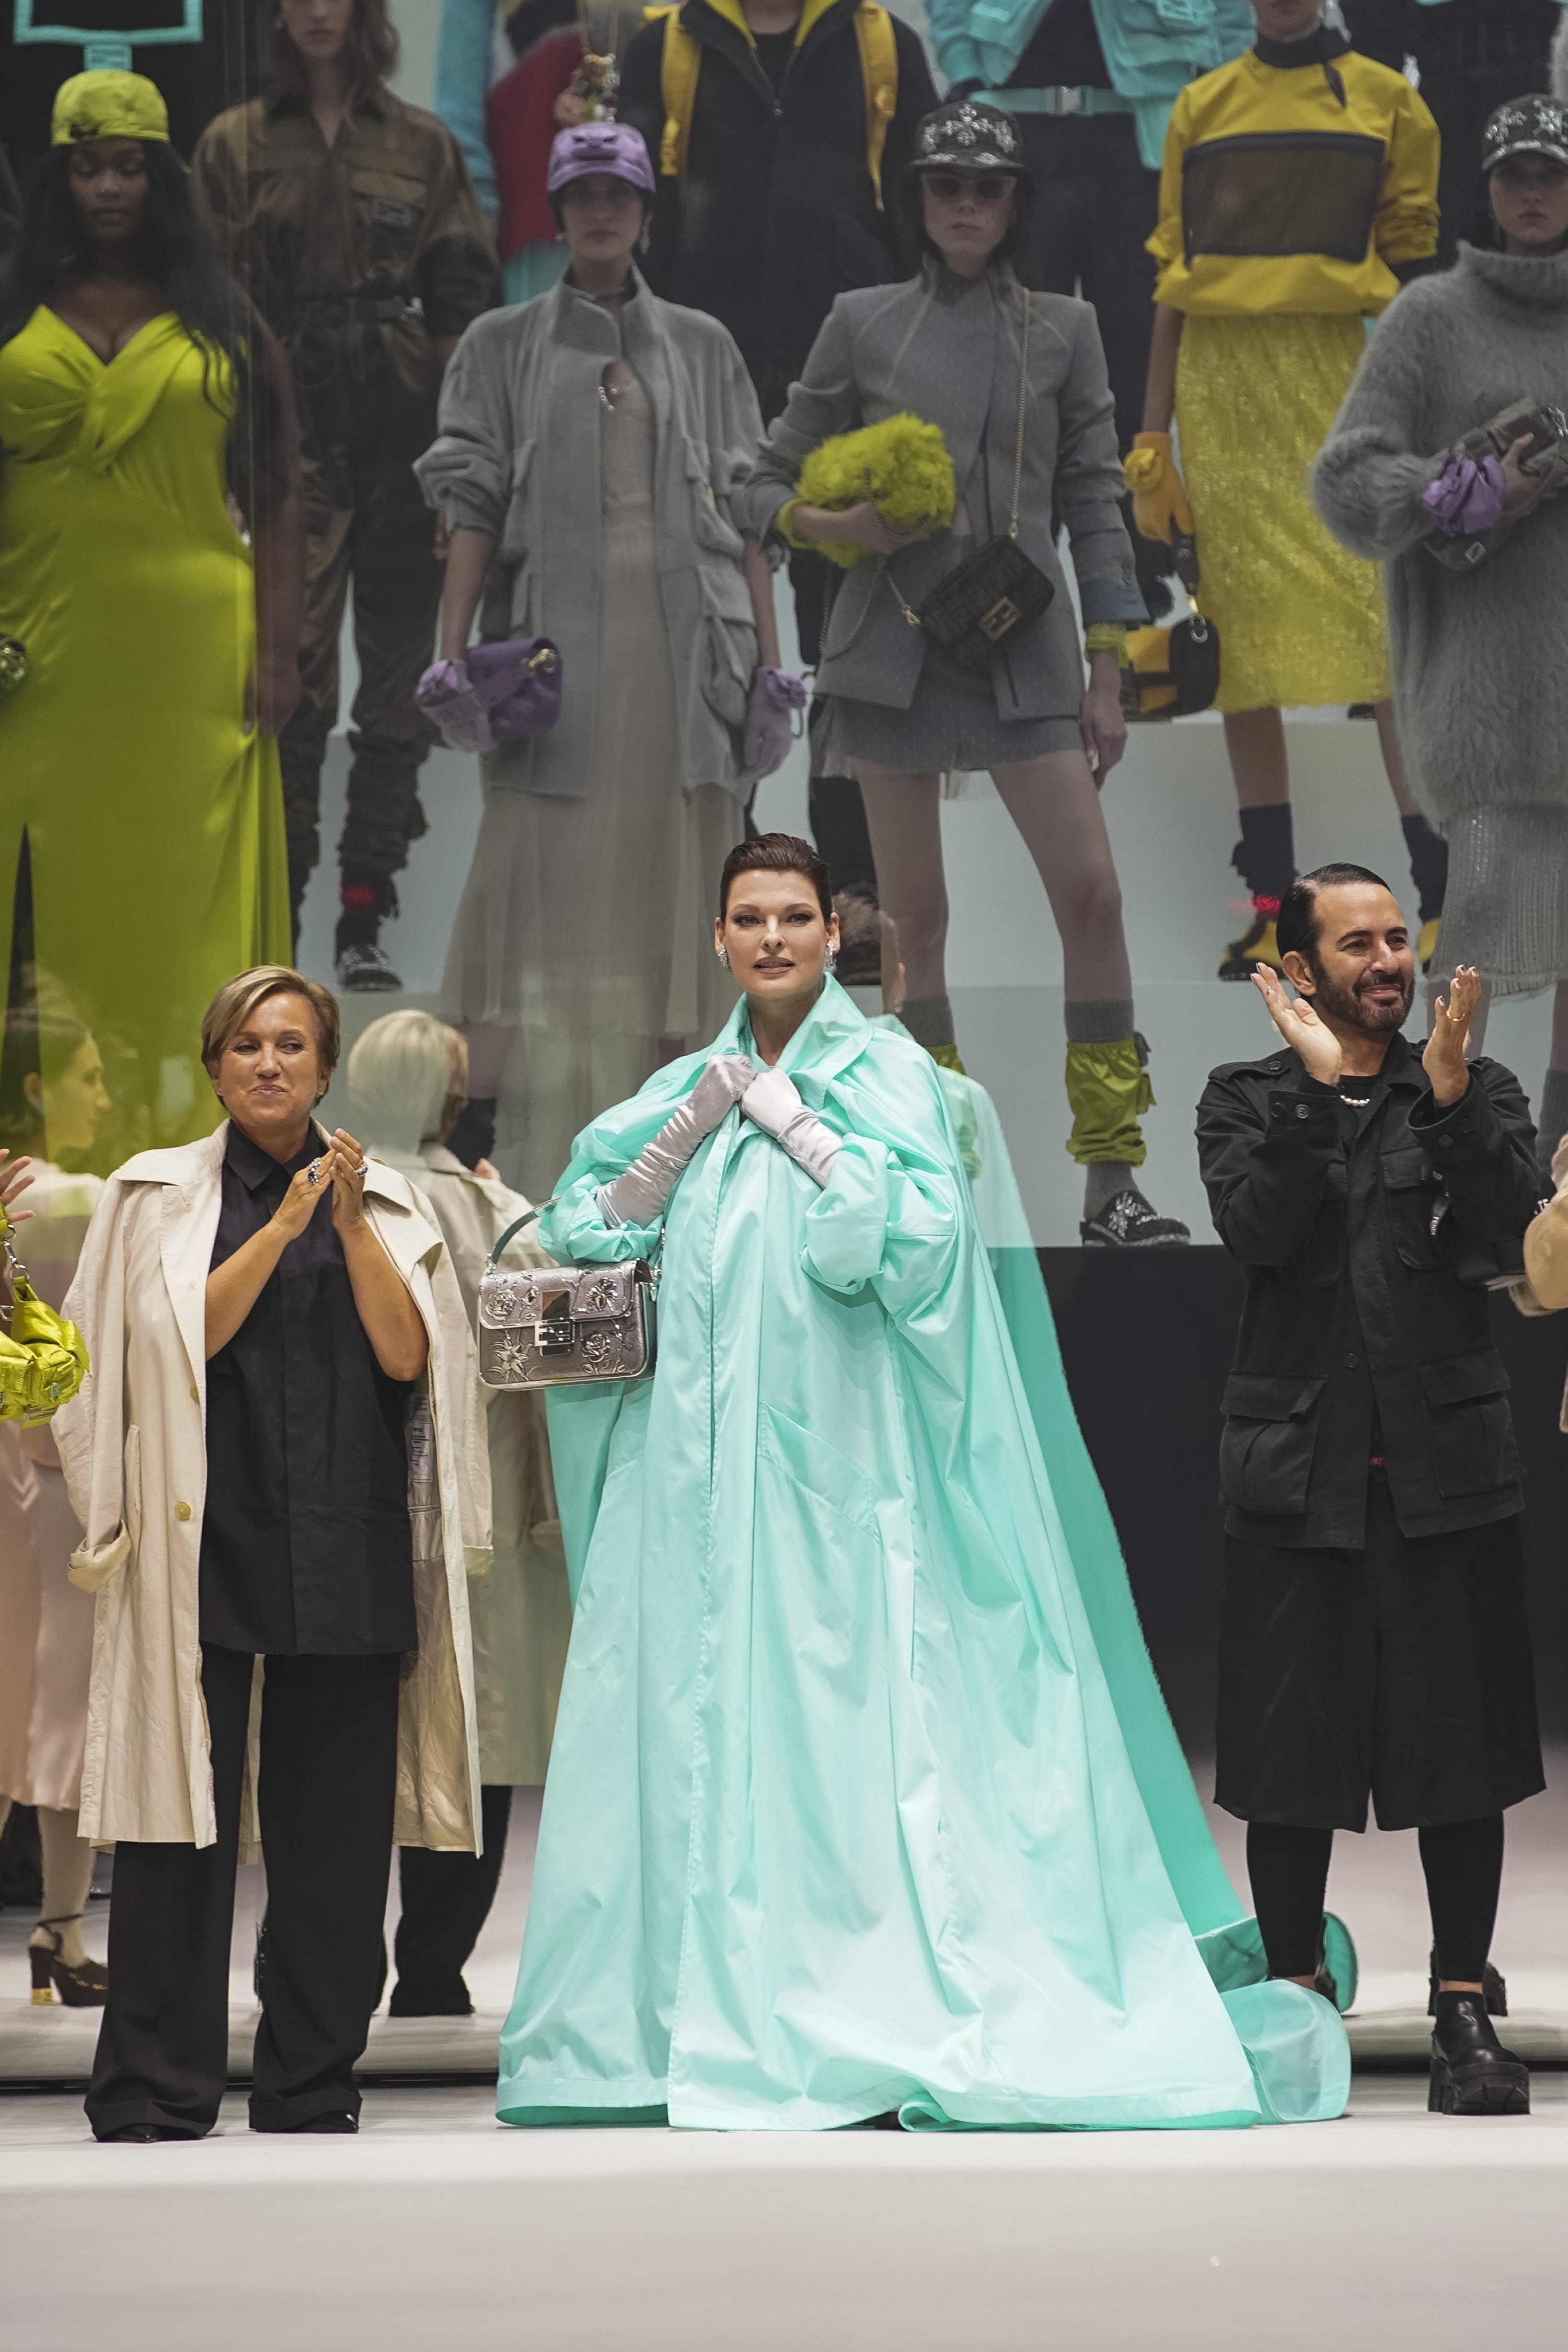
(279, 1468)
(408, 1084)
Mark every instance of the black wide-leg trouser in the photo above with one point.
(329, 1754)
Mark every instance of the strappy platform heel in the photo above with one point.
(86, 1986)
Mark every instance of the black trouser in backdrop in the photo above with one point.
(329, 1759)
(446, 1899)
(1096, 204)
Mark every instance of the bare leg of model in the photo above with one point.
(1265, 856)
(1426, 849)
(903, 813)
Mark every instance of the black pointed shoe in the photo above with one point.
(1128, 1222)
(1494, 1981)
(1472, 2074)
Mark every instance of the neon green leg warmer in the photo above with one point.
(1109, 1090)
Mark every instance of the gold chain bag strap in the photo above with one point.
(551, 1325)
(43, 1359)
(979, 608)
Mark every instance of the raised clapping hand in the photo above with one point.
(15, 1180)
(1444, 1060)
(1316, 1048)
(337, 1171)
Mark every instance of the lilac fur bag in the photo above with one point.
(775, 696)
(496, 694)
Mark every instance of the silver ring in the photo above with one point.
(363, 1168)
(314, 1173)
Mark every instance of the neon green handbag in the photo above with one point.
(43, 1359)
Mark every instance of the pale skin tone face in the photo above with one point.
(1354, 994)
(269, 1078)
(777, 938)
(601, 218)
(76, 1101)
(1287, 20)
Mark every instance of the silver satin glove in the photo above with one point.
(773, 1101)
(638, 1196)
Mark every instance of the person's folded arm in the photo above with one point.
(1266, 1174)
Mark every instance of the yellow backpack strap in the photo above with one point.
(878, 49)
(679, 63)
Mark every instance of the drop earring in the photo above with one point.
(830, 961)
(724, 956)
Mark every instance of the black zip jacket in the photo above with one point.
(1367, 1237)
(777, 215)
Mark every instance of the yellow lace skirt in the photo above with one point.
(1301, 620)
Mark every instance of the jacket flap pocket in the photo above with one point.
(1458, 1380)
(1271, 1396)
(1406, 1166)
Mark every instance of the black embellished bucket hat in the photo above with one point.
(1533, 125)
(967, 135)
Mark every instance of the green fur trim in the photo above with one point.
(901, 465)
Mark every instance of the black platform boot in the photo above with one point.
(1472, 2074)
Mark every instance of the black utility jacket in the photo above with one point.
(777, 215)
(1359, 1335)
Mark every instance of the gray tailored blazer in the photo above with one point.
(516, 457)
(948, 350)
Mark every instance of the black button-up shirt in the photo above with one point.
(1368, 1236)
(306, 1543)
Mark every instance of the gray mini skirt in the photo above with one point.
(950, 723)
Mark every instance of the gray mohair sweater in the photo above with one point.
(1481, 678)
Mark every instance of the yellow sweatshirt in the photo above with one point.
(1276, 197)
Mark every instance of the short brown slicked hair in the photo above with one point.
(777, 853)
(238, 999)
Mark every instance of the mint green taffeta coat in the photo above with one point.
(840, 1816)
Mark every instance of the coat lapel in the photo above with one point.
(192, 1196)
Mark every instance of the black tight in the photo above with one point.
(1288, 1868)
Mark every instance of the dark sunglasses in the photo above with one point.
(989, 186)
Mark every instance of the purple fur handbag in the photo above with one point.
(496, 694)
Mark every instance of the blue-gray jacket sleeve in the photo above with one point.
(466, 470)
(825, 400)
(1090, 484)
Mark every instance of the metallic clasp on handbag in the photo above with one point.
(555, 1333)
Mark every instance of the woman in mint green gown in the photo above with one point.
(842, 1821)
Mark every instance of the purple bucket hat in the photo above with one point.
(600, 147)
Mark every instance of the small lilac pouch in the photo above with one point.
(1466, 497)
(775, 696)
(496, 694)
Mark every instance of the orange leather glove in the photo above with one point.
(1159, 494)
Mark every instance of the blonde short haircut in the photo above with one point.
(238, 999)
(403, 1072)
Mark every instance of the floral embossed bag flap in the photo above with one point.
(545, 1326)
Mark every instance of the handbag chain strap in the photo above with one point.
(911, 615)
(16, 1270)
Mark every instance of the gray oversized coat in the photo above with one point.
(518, 457)
(1481, 683)
(947, 349)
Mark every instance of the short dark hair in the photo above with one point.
(776, 853)
(1296, 929)
(912, 244)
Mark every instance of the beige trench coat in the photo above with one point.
(521, 1611)
(134, 1452)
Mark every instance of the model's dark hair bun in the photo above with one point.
(777, 853)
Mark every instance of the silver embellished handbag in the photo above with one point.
(543, 1326)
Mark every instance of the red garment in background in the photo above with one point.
(519, 125)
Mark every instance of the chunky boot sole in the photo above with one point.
(1497, 2090)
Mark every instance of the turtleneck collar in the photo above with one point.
(1319, 48)
(1541, 278)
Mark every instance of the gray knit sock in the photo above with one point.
(1103, 1178)
(928, 1020)
(1552, 1119)
(1096, 1020)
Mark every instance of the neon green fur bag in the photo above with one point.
(901, 465)
(43, 1359)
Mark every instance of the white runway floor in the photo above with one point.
(1391, 2228)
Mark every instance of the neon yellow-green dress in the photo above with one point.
(154, 821)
